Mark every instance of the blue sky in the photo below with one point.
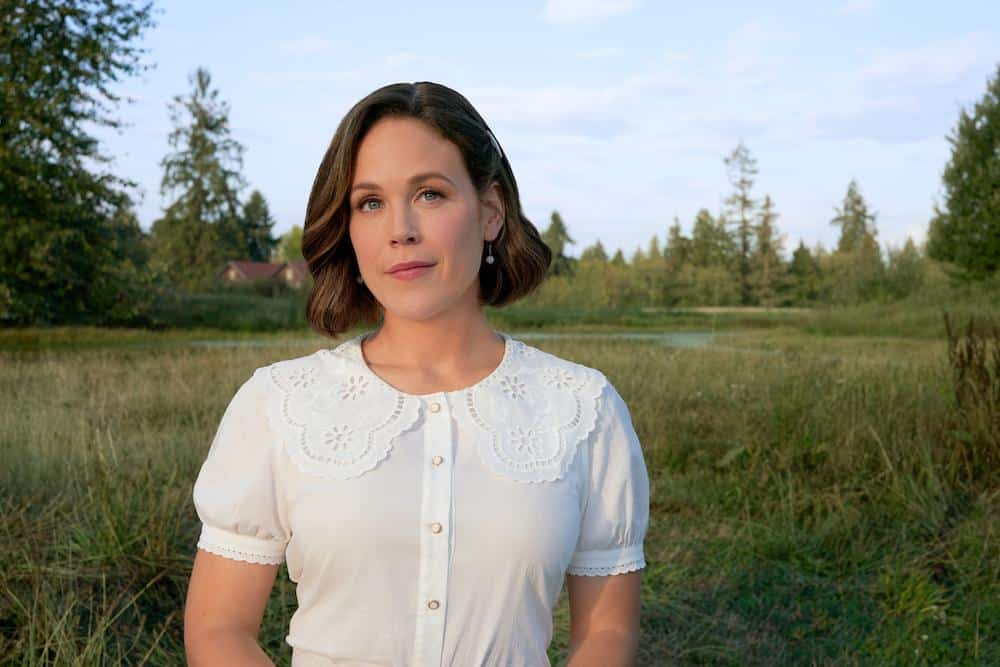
(616, 113)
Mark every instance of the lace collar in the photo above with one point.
(337, 419)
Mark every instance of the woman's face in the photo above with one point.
(400, 212)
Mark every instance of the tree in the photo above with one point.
(289, 248)
(768, 274)
(68, 233)
(966, 231)
(804, 271)
(256, 223)
(556, 237)
(854, 220)
(906, 271)
(711, 243)
(594, 253)
(618, 259)
(856, 270)
(653, 252)
(678, 250)
(649, 271)
(202, 228)
(742, 168)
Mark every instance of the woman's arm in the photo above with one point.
(604, 620)
(225, 606)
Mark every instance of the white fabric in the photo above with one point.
(431, 529)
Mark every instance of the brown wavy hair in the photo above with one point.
(337, 302)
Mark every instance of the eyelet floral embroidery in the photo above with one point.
(535, 440)
(524, 440)
(337, 437)
(560, 378)
(302, 378)
(323, 427)
(354, 388)
(512, 386)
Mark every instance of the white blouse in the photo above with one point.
(425, 529)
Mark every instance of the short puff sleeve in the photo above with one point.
(237, 495)
(616, 484)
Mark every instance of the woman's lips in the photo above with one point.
(410, 274)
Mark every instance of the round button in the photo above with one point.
(437, 460)
(436, 527)
(433, 604)
(435, 407)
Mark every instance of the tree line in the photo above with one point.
(737, 258)
(72, 250)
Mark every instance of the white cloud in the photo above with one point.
(575, 11)
(937, 63)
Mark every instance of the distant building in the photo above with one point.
(295, 273)
(290, 273)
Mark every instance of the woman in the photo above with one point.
(432, 482)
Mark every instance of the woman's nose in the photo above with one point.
(404, 224)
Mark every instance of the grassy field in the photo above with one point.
(816, 496)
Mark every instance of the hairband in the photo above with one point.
(493, 140)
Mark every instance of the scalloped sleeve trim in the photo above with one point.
(241, 547)
(607, 561)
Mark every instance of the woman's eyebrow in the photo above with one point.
(413, 179)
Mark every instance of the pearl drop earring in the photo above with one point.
(489, 257)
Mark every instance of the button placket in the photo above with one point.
(435, 520)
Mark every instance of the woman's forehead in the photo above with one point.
(400, 150)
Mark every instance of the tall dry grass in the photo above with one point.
(810, 502)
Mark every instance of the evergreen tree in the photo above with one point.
(856, 271)
(257, 223)
(653, 251)
(649, 272)
(69, 239)
(619, 258)
(768, 267)
(556, 237)
(710, 241)
(678, 250)
(742, 168)
(804, 271)
(967, 231)
(594, 253)
(854, 220)
(289, 248)
(202, 228)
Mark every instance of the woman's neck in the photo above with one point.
(433, 355)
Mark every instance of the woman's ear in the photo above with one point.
(492, 210)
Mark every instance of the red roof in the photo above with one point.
(300, 269)
(253, 270)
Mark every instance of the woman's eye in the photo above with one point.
(361, 204)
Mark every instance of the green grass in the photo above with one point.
(810, 497)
